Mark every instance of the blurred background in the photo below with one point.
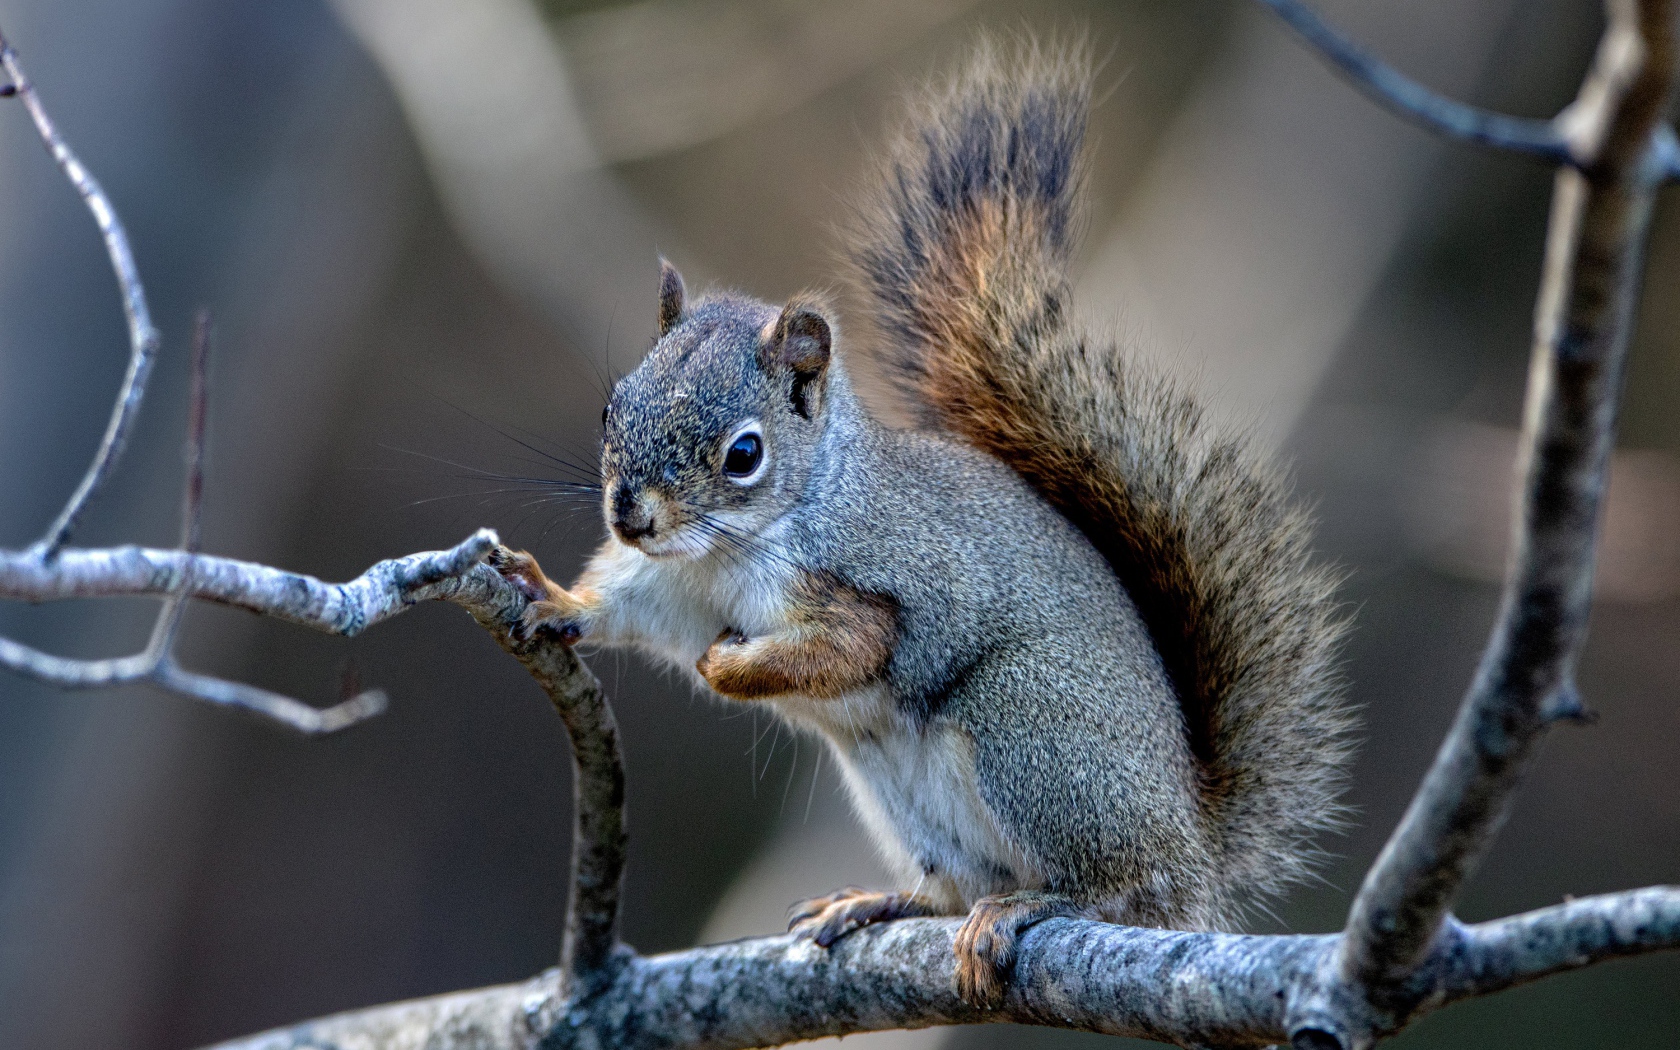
(428, 232)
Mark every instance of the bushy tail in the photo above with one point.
(964, 248)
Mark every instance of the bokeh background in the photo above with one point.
(428, 231)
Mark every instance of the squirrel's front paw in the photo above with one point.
(522, 570)
(827, 919)
(553, 618)
(553, 609)
(735, 666)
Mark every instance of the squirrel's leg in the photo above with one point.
(568, 614)
(837, 638)
(986, 942)
(827, 919)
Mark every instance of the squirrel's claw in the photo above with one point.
(552, 609)
(521, 570)
(806, 910)
(827, 919)
(549, 617)
(986, 943)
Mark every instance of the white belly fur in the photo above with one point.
(915, 790)
(674, 609)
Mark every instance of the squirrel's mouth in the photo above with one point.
(679, 542)
(667, 530)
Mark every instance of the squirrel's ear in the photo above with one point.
(670, 296)
(801, 340)
(800, 344)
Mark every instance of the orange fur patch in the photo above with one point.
(839, 639)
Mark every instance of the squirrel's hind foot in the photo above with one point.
(987, 941)
(827, 919)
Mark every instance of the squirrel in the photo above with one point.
(1069, 645)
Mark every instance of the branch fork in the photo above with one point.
(1574, 138)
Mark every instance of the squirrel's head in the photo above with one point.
(712, 436)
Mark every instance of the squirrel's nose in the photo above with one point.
(631, 519)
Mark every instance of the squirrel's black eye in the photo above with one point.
(743, 456)
(604, 414)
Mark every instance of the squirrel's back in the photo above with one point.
(964, 248)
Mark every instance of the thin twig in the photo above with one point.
(142, 337)
(148, 669)
(1404, 96)
(591, 955)
(162, 645)
(591, 951)
(293, 714)
(74, 674)
(384, 590)
(198, 421)
(18, 570)
(156, 665)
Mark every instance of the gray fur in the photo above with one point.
(1014, 630)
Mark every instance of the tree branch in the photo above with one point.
(591, 953)
(156, 665)
(1402, 95)
(1594, 253)
(1209, 989)
(383, 591)
(142, 337)
(192, 492)
(1524, 948)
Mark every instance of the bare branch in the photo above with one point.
(1583, 322)
(74, 674)
(156, 665)
(198, 421)
(1404, 96)
(161, 671)
(143, 338)
(591, 954)
(162, 645)
(288, 712)
(29, 575)
(1524, 948)
(385, 589)
(1207, 989)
